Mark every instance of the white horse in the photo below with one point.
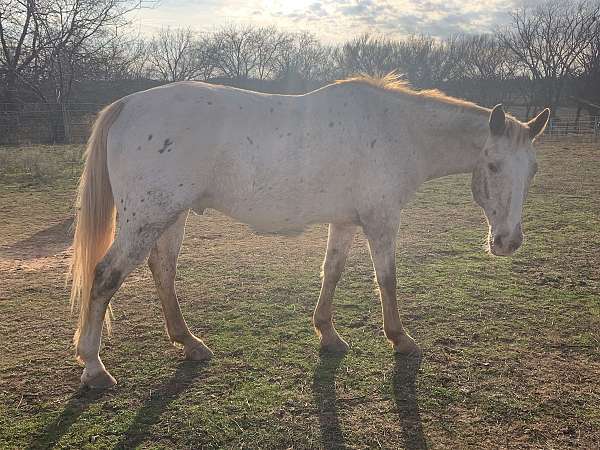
(350, 154)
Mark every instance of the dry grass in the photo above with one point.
(511, 346)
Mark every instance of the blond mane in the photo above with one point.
(394, 83)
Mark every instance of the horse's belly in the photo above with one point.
(266, 220)
(286, 218)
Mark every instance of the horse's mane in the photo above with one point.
(394, 83)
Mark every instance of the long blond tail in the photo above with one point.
(96, 217)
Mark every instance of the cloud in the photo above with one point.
(337, 20)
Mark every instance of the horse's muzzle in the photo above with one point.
(505, 244)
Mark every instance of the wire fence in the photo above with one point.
(587, 128)
(47, 124)
(37, 123)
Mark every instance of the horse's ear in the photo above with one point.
(537, 125)
(497, 121)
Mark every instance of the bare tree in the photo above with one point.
(367, 54)
(268, 42)
(487, 68)
(42, 42)
(303, 58)
(548, 40)
(173, 56)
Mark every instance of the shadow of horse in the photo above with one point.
(149, 414)
(77, 404)
(49, 241)
(405, 396)
(403, 391)
(326, 400)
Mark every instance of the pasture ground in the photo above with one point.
(511, 347)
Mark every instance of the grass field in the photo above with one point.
(511, 346)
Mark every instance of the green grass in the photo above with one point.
(510, 345)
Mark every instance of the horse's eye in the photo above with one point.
(494, 167)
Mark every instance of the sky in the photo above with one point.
(332, 21)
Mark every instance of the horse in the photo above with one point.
(350, 154)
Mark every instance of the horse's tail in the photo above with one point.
(96, 217)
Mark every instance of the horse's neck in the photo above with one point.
(452, 139)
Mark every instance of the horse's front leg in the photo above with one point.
(163, 264)
(382, 245)
(338, 245)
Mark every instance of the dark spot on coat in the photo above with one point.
(166, 146)
(241, 107)
(149, 137)
(209, 103)
(180, 184)
(271, 110)
(142, 200)
(331, 124)
(121, 201)
(125, 208)
(133, 214)
(112, 282)
(373, 143)
(250, 140)
(139, 148)
(289, 134)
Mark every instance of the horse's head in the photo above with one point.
(502, 176)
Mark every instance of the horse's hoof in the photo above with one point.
(98, 381)
(197, 352)
(406, 346)
(337, 345)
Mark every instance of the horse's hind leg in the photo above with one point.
(126, 253)
(163, 264)
(338, 245)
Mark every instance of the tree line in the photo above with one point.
(547, 55)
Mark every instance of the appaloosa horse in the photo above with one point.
(350, 154)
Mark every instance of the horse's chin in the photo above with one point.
(501, 251)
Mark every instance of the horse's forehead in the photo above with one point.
(515, 141)
(516, 134)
